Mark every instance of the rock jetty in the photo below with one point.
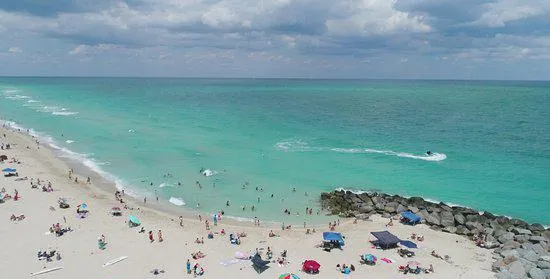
(521, 250)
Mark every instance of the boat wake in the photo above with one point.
(302, 146)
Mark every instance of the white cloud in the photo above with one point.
(15, 50)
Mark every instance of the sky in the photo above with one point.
(410, 39)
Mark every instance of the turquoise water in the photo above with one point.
(491, 140)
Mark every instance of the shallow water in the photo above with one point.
(490, 139)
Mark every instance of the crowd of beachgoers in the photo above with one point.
(56, 223)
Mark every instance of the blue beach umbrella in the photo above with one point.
(134, 220)
(9, 170)
(369, 257)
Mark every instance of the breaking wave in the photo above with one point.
(177, 201)
(302, 146)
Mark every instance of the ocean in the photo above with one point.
(286, 140)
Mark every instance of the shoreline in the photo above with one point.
(80, 255)
(104, 186)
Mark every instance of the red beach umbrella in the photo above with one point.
(311, 266)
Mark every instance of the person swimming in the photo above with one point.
(429, 152)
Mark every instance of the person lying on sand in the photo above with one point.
(198, 255)
(436, 255)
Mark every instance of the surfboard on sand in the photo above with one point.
(111, 262)
(46, 270)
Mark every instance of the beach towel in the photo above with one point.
(230, 262)
(387, 260)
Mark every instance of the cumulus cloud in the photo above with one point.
(281, 29)
(15, 50)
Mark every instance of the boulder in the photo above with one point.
(531, 256)
(536, 273)
(460, 219)
(365, 208)
(509, 253)
(417, 202)
(521, 231)
(498, 265)
(400, 208)
(536, 227)
(508, 245)
(544, 262)
(498, 230)
(449, 229)
(433, 219)
(390, 208)
(504, 274)
(517, 270)
(461, 230)
(547, 272)
(506, 237)
(476, 218)
(362, 216)
(447, 219)
(473, 225)
(521, 238)
(519, 223)
(414, 209)
(539, 249)
(537, 239)
(527, 265)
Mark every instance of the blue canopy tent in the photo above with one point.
(410, 218)
(333, 237)
(408, 244)
(9, 170)
(332, 240)
(385, 240)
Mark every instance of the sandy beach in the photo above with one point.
(81, 257)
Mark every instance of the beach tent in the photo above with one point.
(258, 264)
(133, 221)
(9, 170)
(408, 244)
(311, 266)
(3, 157)
(333, 237)
(410, 218)
(385, 239)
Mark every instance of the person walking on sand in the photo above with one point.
(160, 236)
(151, 239)
(188, 266)
(181, 221)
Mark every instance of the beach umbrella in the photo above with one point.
(311, 264)
(83, 206)
(9, 170)
(413, 264)
(369, 258)
(134, 219)
(289, 276)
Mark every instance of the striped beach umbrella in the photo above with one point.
(289, 276)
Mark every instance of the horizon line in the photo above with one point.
(275, 78)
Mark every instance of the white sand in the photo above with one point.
(81, 257)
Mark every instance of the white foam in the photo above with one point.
(32, 101)
(84, 159)
(69, 141)
(240, 219)
(297, 145)
(177, 201)
(162, 185)
(64, 113)
(209, 172)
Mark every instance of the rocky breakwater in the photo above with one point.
(521, 250)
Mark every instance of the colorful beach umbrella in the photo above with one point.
(9, 170)
(289, 276)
